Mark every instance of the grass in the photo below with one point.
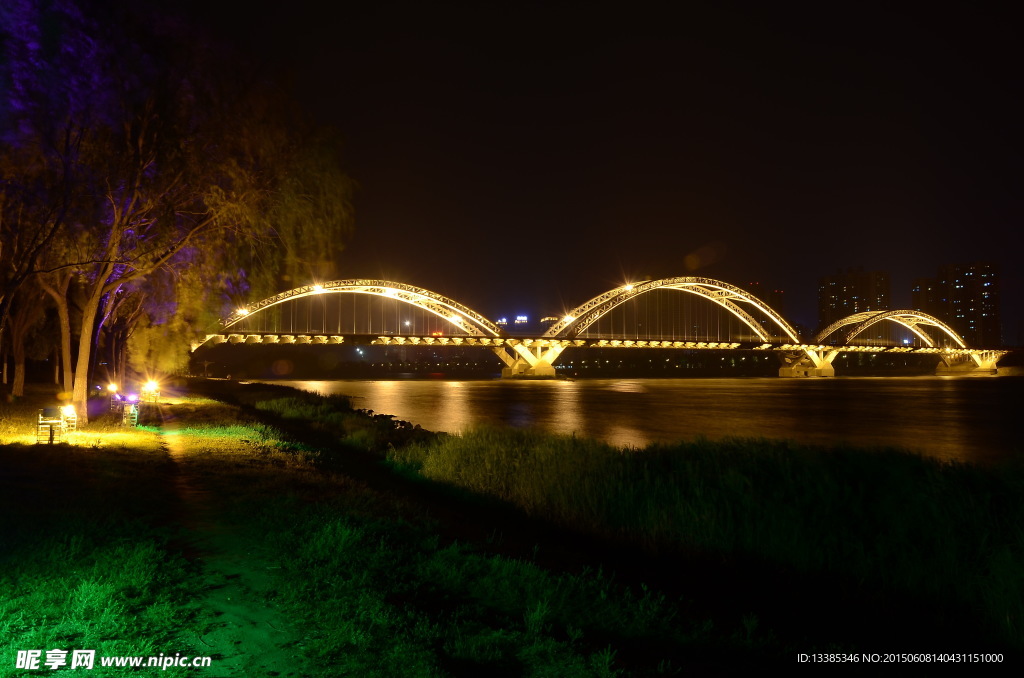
(891, 520)
(362, 572)
(382, 594)
(391, 601)
(880, 524)
(85, 562)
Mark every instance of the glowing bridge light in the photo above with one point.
(318, 288)
(628, 288)
(242, 311)
(568, 318)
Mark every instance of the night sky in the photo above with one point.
(523, 158)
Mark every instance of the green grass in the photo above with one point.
(878, 523)
(90, 548)
(381, 595)
(893, 520)
(389, 601)
(84, 560)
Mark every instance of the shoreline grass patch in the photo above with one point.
(893, 520)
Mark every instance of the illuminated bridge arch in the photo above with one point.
(912, 320)
(738, 302)
(463, 317)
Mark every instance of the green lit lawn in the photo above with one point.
(267, 532)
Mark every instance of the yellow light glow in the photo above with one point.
(455, 318)
(318, 288)
(243, 311)
(112, 388)
(628, 288)
(67, 410)
(151, 386)
(568, 319)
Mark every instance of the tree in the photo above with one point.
(25, 320)
(159, 164)
(34, 203)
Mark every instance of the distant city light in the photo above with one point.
(520, 319)
(501, 321)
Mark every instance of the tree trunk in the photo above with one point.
(18, 385)
(64, 316)
(59, 294)
(80, 392)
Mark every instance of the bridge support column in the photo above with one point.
(529, 363)
(811, 362)
(974, 362)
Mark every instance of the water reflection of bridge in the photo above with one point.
(690, 313)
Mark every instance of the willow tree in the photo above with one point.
(180, 170)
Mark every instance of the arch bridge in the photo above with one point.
(682, 312)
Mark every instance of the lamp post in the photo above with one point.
(151, 392)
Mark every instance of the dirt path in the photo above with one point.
(251, 637)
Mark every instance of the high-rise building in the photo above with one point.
(924, 297)
(966, 297)
(851, 291)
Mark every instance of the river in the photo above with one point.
(969, 419)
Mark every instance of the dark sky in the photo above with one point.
(523, 158)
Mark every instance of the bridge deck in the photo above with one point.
(545, 342)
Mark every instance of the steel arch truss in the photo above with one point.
(729, 297)
(912, 320)
(463, 317)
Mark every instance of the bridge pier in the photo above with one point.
(809, 362)
(528, 361)
(972, 362)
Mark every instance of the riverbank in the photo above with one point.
(277, 540)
